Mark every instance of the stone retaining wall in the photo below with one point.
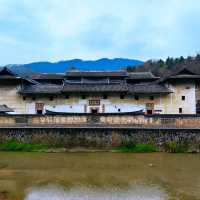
(103, 131)
(103, 138)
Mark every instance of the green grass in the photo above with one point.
(14, 145)
(138, 148)
(174, 147)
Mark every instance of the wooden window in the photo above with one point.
(51, 98)
(94, 102)
(83, 96)
(180, 110)
(136, 98)
(122, 96)
(150, 106)
(105, 96)
(151, 98)
(183, 98)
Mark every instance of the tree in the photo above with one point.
(169, 62)
(198, 57)
(161, 63)
(181, 59)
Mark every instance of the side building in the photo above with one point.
(99, 92)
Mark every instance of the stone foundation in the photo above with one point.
(103, 138)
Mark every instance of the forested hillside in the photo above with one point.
(162, 68)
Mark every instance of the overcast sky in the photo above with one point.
(52, 30)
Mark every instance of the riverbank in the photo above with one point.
(19, 146)
(52, 139)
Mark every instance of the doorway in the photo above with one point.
(94, 110)
(149, 108)
(149, 112)
(39, 107)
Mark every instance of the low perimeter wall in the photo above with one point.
(104, 130)
(109, 120)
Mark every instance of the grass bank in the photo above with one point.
(14, 145)
(137, 148)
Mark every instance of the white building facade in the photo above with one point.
(99, 92)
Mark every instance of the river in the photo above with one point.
(99, 176)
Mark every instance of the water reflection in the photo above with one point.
(139, 192)
(112, 176)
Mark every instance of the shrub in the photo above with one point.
(14, 145)
(128, 144)
(174, 147)
(144, 148)
(138, 148)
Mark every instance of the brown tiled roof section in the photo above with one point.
(95, 87)
(148, 88)
(96, 73)
(46, 76)
(41, 89)
(141, 75)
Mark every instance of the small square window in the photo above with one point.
(183, 98)
(105, 96)
(51, 98)
(33, 98)
(151, 97)
(24, 98)
(83, 97)
(136, 98)
(180, 110)
(121, 96)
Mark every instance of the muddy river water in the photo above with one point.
(99, 176)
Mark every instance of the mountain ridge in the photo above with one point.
(64, 65)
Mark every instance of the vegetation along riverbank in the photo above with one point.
(14, 145)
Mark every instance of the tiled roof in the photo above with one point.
(148, 88)
(47, 76)
(6, 73)
(77, 73)
(95, 87)
(185, 76)
(41, 89)
(181, 73)
(141, 75)
(143, 88)
(5, 108)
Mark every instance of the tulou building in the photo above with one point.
(99, 92)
